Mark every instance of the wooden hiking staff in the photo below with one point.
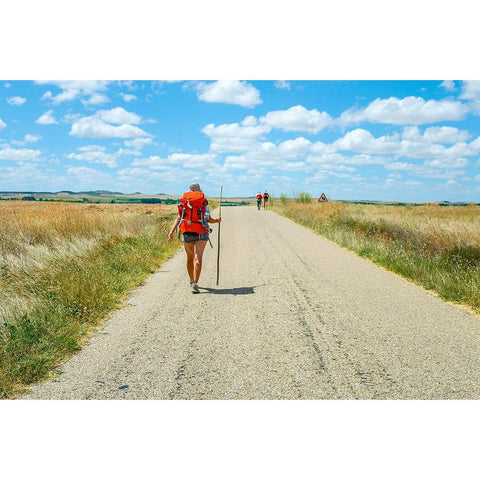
(218, 240)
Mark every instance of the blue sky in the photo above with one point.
(378, 140)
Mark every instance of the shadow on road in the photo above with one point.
(230, 291)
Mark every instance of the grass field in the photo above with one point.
(63, 268)
(436, 247)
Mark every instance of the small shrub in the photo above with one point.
(304, 197)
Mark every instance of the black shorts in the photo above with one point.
(191, 237)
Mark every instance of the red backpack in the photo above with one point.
(192, 213)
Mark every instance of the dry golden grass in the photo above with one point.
(439, 228)
(63, 267)
(25, 226)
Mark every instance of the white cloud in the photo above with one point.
(318, 160)
(118, 116)
(74, 89)
(31, 138)
(359, 140)
(406, 111)
(297, 119)
(138, 143)
(185, 160)
(16, 100)
(448, 163)
(296, 147)
(435, 135)
(91, 127)
(412, 144)
(234, 137)
(445, 135)
(448, 85)
(282, 84)
(424, 170)
(128, 97)
(47, 119)
(2, 124)
(471, 91)
(114, 123)
(18, 154)
(96, 99)
(95, 154)
(229, 91)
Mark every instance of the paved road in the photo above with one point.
(294, 317)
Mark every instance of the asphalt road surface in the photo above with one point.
(293, 317)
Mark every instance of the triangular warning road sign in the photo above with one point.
(323, 198)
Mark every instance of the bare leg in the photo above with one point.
(199, 247)
(189, 249)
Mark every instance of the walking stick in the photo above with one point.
(218, 240)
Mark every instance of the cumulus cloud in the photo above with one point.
(296, 147)
(297, 119)
(137, 144)
(337, 158)
(94, 154)
(229, 91)
(18, 154)
(425, 170)
(73, 89)
(2, 124)
(128, 97)
(448, 163)
(445, 135)
(118, 116)
(16, 100)
(282, 84)
(91, 127)
(96, 99)
(448, 85)
(31, 138)
(471, 91)
(185, 160)
(406, 111)
(435, 135)
(114, 123)
(411, 143)
(235, 137)
(47, 119)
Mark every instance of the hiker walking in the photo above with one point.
(259, 198)
(193, 218)
(265, 199)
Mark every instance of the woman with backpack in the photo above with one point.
(193, 218)
(265, 200)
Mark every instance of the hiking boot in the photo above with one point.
(195, 288)
(191, 282)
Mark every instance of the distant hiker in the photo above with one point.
(259, 198)
(265, 199)
(193, 218)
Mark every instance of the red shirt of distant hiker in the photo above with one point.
(193, 218)
(259, 198)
